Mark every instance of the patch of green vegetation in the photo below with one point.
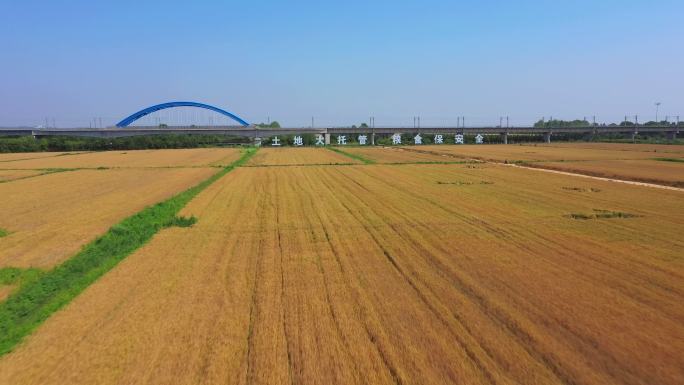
(350, 155)
(582, 189)
(602, 214)
(3, 233)
(13, 275)
(678, 160)
(54, 170)
(459, 183)
(36, 300)
(182, 221)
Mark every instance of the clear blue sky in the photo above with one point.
(342, 61)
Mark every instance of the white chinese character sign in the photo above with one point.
(320, 140)
(298, 141)
(275, 141)
(396, 139)
(417, 139)
(439, 139)
(363, 139)
(341, 139)
(458, 139)
(479, 139)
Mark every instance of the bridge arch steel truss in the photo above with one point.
(133, 117)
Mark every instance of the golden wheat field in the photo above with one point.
(331, 271)
(287, 156)
(130, 158)
(398, 155)
(10, 157)
(8, 175)
(51, 216)
(542, 152)
(649, 171)
(640, 147)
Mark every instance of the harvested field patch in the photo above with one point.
(397, 155)
(648, 171)
(133, 158)
(289, 156)
(49, 218)
(377, 274)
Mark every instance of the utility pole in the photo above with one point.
(507, 122)
(657, 104)
(312, 122)
(419, 122)
(500, 121)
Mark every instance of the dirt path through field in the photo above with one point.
(541, 168)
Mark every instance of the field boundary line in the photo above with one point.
(352, 156)
(660, 186)
(45, 171)
(33, 303)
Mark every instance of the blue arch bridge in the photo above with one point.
(146, 111)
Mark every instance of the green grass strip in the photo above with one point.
(350, 155)
(14, 275)
(3, 233)
(678, 160)
(36, 300)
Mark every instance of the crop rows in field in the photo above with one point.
(9, 175)
(12, 157)
(663, 166)
(648, 171)
(50, 217)
(132, 158)
(298, 156)
(531, 153)
(384, 274)
(398, 155)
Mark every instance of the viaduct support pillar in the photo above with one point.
(373, 139)
(633, 135)
(672, 135)
(504, 137)
(327, 139)
(547, 137)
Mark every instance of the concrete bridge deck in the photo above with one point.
(547, 132)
